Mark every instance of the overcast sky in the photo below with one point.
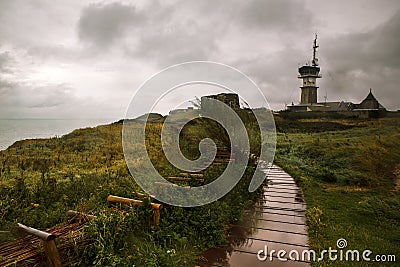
(85, 59)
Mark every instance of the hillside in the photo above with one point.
(42, 179)
(346, 168)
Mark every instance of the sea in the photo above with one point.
(12, 130)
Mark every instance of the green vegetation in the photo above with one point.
(42, 179)
(346, 170)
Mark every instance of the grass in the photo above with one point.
(345, 168)
(42, 179)
(347, 177)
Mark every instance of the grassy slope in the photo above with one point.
(345, 168)
(41, 179)
(346, 171)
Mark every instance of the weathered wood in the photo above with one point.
(48, 242)
(72, 213)
(156, 216)
(52, 255)
(123, 200)
(40, 234)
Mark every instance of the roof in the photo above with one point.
(309, 70)
(370, 96)
(338, 105)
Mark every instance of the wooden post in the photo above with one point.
(156, 216)
(156, 207)
(52, 255)
(48, 242)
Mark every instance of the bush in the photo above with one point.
(326, 175)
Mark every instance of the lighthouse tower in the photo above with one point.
(309, 75)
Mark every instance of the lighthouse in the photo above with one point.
(309, 75)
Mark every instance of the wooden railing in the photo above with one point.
(123, 200)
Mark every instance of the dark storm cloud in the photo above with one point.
(366, 60)
(196, 34)
(188, 30)
(176, 33)
(157, 33)
(283, 15)
(376, 48)
(264, 15)
(57, 53)
(183, 42)
(103, 24)
(267, 71)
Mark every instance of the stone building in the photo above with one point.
(369, 102)
(230, 99)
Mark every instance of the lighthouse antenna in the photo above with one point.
(315, 46)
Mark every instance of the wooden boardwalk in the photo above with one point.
(277, 221)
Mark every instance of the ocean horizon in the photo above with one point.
(13, 130)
